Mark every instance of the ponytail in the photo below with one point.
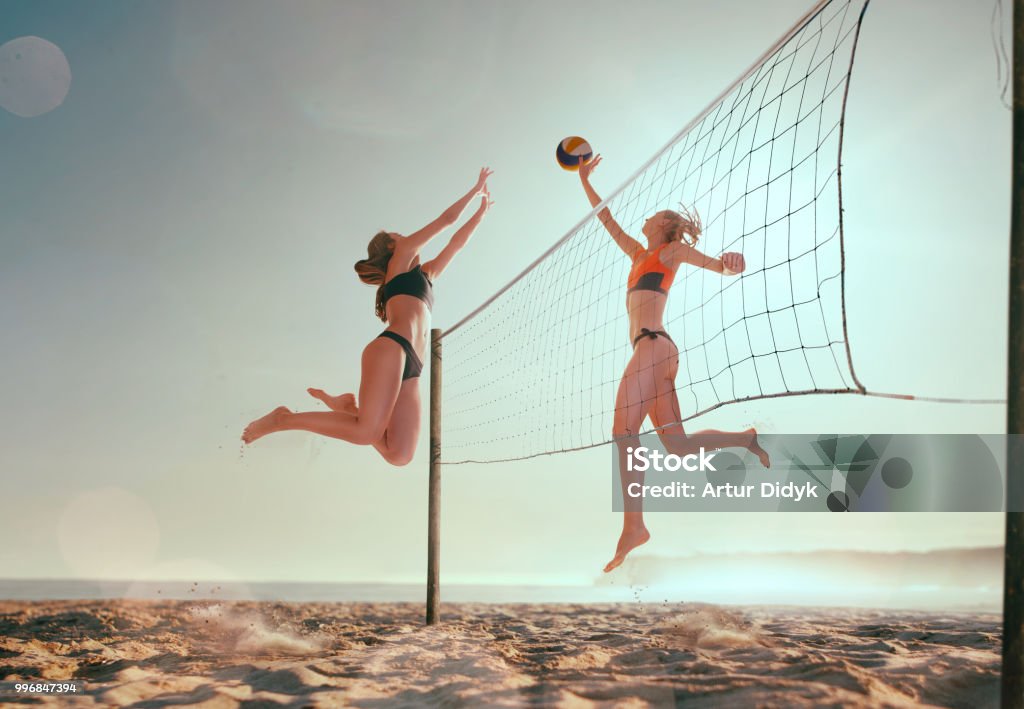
(686, 226)
(373, 269)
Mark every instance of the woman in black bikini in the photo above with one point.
(647, 387)
(388, 413)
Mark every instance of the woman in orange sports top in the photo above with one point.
(647, 387)
(388, 413)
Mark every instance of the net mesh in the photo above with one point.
(536, 370)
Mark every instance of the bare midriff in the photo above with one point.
(409, 317)
(646, 310)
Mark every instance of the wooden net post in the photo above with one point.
(434, 485)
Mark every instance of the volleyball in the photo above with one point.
(572, 152)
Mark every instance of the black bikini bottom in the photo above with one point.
(413, 365)
(644, 332)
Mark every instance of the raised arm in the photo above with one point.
(436, 265)
(679, 252)
(623, 240)
(448, 217)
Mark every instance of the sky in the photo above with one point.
(178, 239)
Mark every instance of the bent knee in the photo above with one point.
(402, 460)
(621, 429)
(680, 445)
(398, 458)
(624, 437)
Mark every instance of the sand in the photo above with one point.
(260, 654)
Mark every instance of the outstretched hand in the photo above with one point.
(481, 182)
(588, 167)
(485, 201)
(733, 263)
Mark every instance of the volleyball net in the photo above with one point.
(535, 369)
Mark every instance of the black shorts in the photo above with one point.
(413, 365)
(644, 332)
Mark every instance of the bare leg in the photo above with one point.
(264, 424)
(666, 417)
(382, 365)
(398, 444)
(632, 402)
(343, 403)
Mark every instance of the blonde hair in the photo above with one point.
(685, 225)
(373, 269)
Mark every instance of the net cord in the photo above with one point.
(780, 395)
(839, 183)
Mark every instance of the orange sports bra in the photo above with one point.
(649, 273)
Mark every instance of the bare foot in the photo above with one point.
(757, 450)
(264, 425)
(345, 403)
(629, 541)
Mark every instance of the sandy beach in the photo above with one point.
(241, 653)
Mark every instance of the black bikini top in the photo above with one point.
(413, 282)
